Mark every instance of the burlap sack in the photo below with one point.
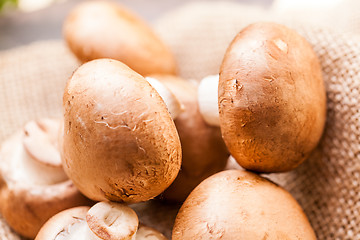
(340, 15)
(327, 185)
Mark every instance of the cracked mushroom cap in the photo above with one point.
(236, 204)
(272, 98)
(33, 185)
(203, 149)
(120, 143)
(103, 29)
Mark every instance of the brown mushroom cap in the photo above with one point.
(120, 142)
(272, 99)
(237, 204)
(102, 29)
(33, 185)
(203, 150)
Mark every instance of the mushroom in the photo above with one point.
(173, 104)
(33, 185)
(103, 29)
(120, 142)
(203, 150)
(236, 204)
(103, 221)
(112, 221)
(148, 233)
(271, 98)
(208, 100)
(69, 224)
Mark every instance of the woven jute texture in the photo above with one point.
(327, 185)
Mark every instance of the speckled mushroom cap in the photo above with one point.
(236, 204)
(104, 29)
(33, 185)
(203, 149)
(120, 142)
(272, 98)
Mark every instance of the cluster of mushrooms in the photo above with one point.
(132, 130)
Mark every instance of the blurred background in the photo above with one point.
(26, 21)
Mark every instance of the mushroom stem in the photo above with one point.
(208, 100)
(172, 102)
(76, 231)
(33, 155)
(32, 171)
(112, 219)
(148, 233)
(40, 141)
(103, 221)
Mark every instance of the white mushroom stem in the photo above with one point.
(40, 142)
(232, 164)
(172, 102)
(148, 233)
(80, 231)
(112, 219)
(77, 231)
(33, 155)
(29, 171)
(208, 100)
(103, 221)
